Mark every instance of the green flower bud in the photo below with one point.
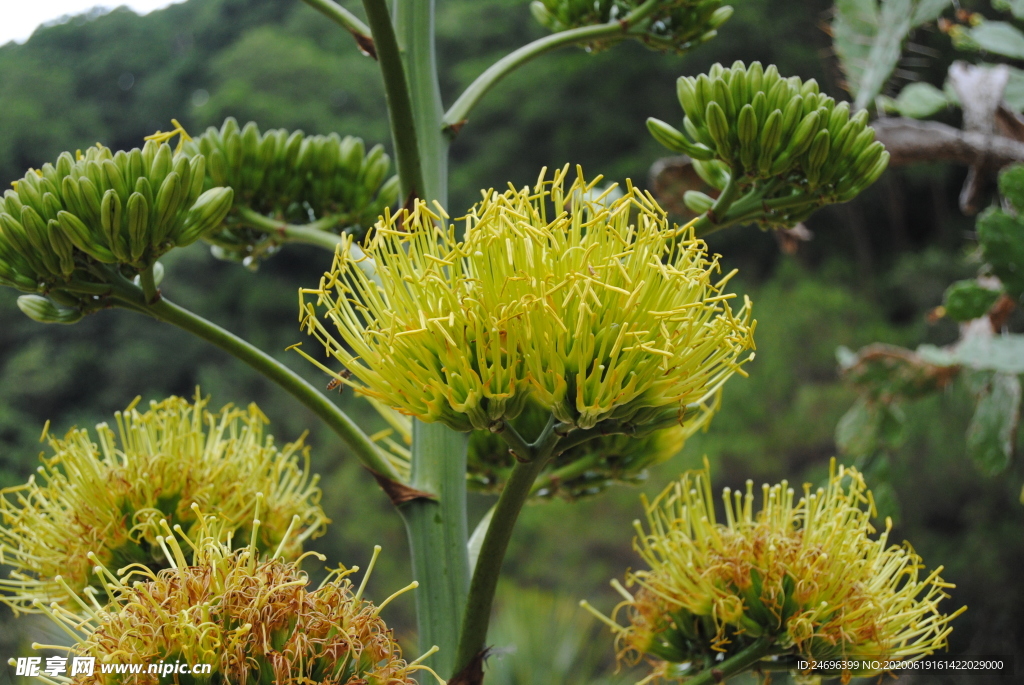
(105, 504)
(790, 148)
(285, 176)
(697, 201)
(41, 309)
(781, 581)
(62, 224)
(674, 140)
(676, 26)
(621, 320)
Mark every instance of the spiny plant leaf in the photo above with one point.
(868, 37)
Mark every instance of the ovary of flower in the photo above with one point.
(601, 312)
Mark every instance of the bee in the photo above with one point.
(337, 383)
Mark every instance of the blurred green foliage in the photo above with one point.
(872, 271)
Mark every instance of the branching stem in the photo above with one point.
(531, 460)
(348, 21)
(459, 111)
(315, 233)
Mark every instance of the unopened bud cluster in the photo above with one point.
(126, 208)
(675, 26)
(289, 175)
(751, 125)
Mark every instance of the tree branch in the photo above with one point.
(910, 141)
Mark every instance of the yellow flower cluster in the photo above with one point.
(251, 621)
(599, 310)
(802, 578)
(105, 502)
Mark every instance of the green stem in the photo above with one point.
(437, 528)
(399, 99)
(78, 286)
(301, 389)
(492, 552)
(738, 663)
(438, 532)
(516, 443)
(484, 82)
(414, 25)
(348, 21)
(716, 218)
(750, 207)
(310, 234)
(148, 282)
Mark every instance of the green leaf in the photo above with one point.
(920, 100)
(869, 36)
(966, 300)
(1014, 93)
(1011, 185)
(1016, 7)
(1002, 242)
(992, 429)
(998, 37)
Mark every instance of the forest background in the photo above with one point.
(874, 269)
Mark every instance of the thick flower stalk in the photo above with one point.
(289, 177)
(598, 312)
(68, 228)
(248, 620)
(104, 499)
(669, 26)
(776, 147)
(797, 579)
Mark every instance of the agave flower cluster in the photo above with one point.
(805, 578)
(104, 501)
(598, 311)
(251, 620)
